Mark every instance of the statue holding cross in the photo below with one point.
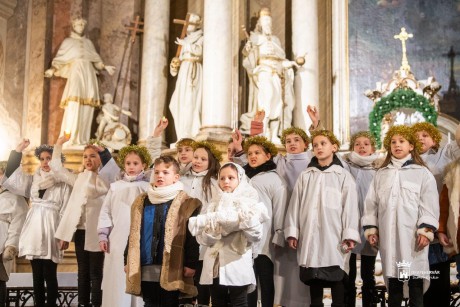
(185, 102)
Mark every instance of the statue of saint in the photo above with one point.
(185, 102)
(78, 61)
(271, 75)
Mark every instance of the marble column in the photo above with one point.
(154, 65)
(305, 41)
(217, 71)
(340, 71)
(34, 79)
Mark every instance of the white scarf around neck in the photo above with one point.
(159, 195)
(137, 177)
(362, 161)
(398, 163)
(41, 181)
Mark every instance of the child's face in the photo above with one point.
(400, 147)
(228, 179)
(295, 144)
(200, 161)
(91, 160)
(426, 140)
(133, 164)
(185, 154)
(363, 146)
(257, 155)
(164, 175)
(323, 149)
(45, 158)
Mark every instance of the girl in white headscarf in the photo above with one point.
(230, 225)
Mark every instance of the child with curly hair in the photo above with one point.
(401, 212)
(113, 226)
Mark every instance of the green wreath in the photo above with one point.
(400, 98)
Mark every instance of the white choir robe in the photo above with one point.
(398, 202)
(13, 212)
(37, 239)
(115, 213)
(323, 212)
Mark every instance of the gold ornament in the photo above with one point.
(404, 131)
(261, 141)
(294, 130)
(327, 133)
(364, 134)
(216, 153)
(141, 151)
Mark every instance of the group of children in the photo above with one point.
(264, 226)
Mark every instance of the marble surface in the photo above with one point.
(14, 72)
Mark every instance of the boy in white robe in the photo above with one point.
(322, 221)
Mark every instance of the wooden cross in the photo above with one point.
(135, 29)
(185, 24)
(403, 37)
(130, 39)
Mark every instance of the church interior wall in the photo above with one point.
(375, 54)
(37, 28)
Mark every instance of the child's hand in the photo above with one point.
(62, 139)
(237, 140)
(373, 239)
(188, 272)
(63, 245)
(313, 112)
(23, 145)
(444, 240)
(292, 242)
(105, 247)
(350, 243)
(160, 127)
(422, 242)
(257, 124)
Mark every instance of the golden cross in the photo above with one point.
(135, 28)
(403, 37)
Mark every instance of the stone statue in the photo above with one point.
(110, 131)
(109, 114)
(78, 61)
(185, 102)
(271, 79)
